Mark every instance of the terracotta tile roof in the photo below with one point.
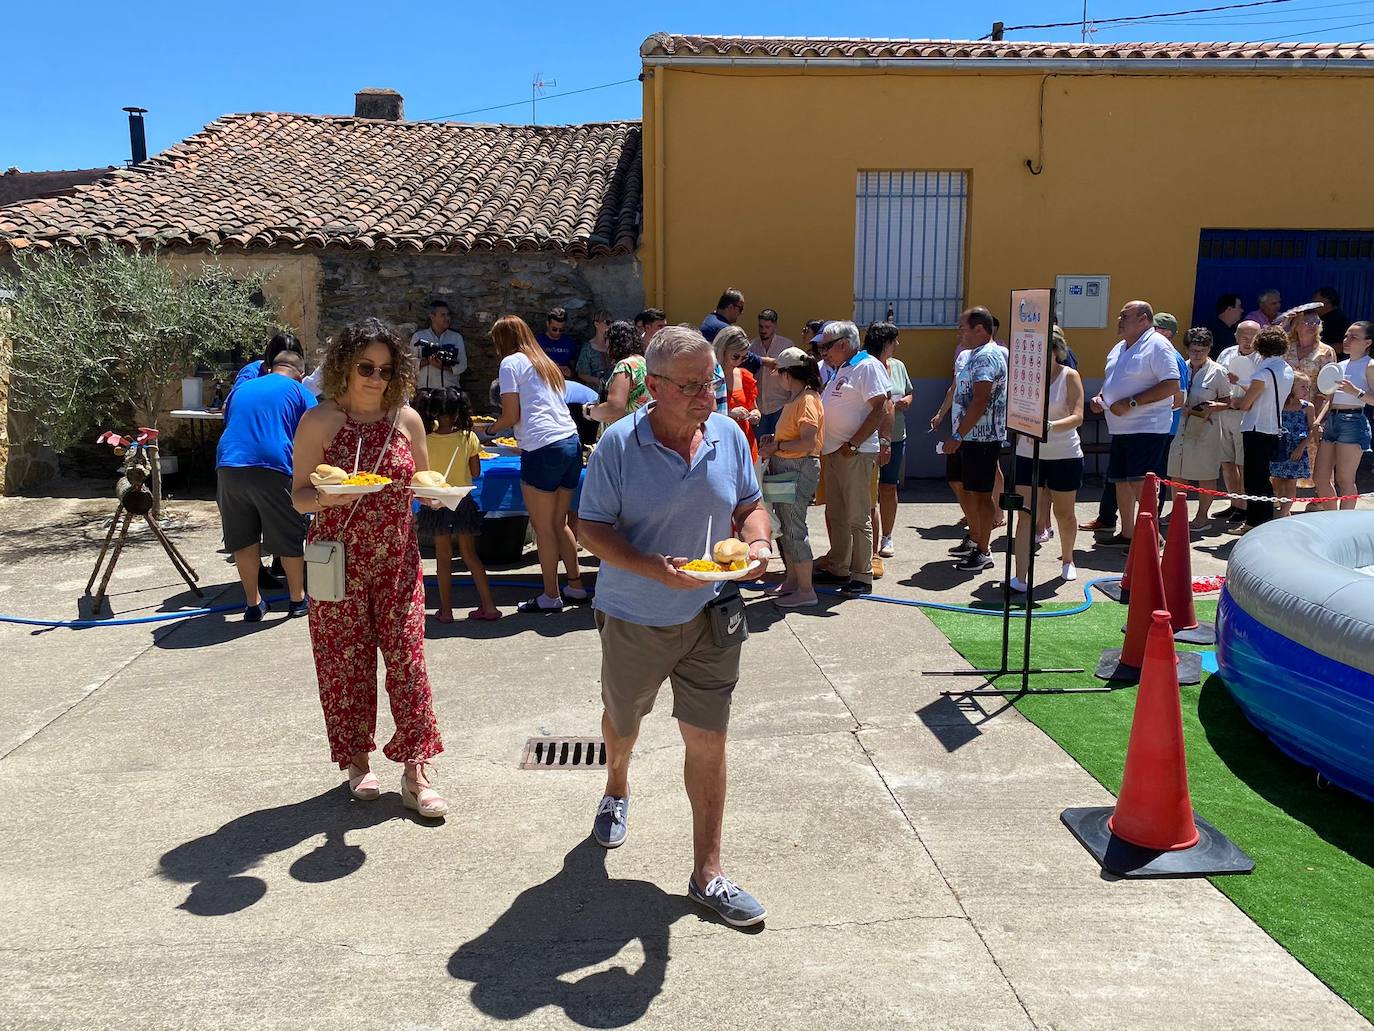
(820, 50)
(16, 185)
(260, 181)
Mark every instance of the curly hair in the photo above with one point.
(342, 352)
(621, 342)
(1272, 342)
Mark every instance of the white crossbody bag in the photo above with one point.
(324, 560)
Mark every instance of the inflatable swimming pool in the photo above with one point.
(1295, 640)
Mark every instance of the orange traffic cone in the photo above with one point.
(1178, 568)
(1148, 592)
(1153, 809)
(1149, 502)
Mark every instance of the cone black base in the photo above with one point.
(87, 609)
(1110, 667)
(1213, 854)
(1112, 589)
(1203, 633)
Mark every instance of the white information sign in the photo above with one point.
(1032, 315)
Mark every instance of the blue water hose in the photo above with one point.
(166, 617)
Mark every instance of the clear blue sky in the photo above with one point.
(189, 63)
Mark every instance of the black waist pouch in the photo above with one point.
(729, 628)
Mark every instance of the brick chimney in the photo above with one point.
(385, 104)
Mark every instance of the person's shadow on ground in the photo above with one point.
(576, 919)
(214, 864)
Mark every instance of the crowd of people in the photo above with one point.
(708, 434)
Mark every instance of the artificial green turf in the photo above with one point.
(1312, 888)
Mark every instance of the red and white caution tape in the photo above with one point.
(1188, 487)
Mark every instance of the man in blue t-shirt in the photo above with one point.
(561, 348)
(254, 473)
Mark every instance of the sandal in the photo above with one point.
(422, 797)
(363, 785)
(443, 616)
(532, 605)
(484, 616)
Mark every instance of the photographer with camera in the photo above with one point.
(440, 350)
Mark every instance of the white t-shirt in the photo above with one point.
(544, 417)
(1146, 363)
(1263, 415)
(846, 401)
(1242, 365)
(431, 378)
(772, 392)
(1357, 371)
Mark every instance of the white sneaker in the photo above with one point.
(885, 548)
(1068, 572)
(1018, 586)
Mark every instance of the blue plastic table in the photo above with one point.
(498, 488)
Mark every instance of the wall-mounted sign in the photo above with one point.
(1082, 301)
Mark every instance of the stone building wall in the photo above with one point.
(479, 288)
(22, 463)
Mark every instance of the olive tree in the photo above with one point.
(99, 333)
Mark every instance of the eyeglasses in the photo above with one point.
(367, 371)
(824, 345)
(692, 389)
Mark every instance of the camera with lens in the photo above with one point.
(447, 354)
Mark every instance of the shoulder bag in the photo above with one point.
(324, 560)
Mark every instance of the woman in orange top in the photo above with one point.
(796, 448)
(732, 347)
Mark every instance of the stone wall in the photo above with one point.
(479, 288)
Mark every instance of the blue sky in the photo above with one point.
(189, 63)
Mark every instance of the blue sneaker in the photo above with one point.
(254, 613)
(296, 609)
(611, 823)
(728, 900)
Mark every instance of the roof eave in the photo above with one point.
(1195, 65)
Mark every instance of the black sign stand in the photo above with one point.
(1010, 502)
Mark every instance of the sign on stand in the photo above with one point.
(1028, 382)
(1032, 315)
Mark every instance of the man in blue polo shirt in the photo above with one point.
(664, 485)
(254, 479)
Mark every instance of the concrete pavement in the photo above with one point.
(179, 851)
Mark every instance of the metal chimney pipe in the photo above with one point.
(138, 142)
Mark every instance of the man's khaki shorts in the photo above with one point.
(636, 659)
(1232, 447)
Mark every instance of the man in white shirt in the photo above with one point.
(1138, 399)
(854, 402)
(441, 352)
(1240, 362)
(766, 347)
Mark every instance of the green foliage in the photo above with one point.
(96, 333)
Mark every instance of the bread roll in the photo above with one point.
(327, 474)
(428, 478)
(732, 549)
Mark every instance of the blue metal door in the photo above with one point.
(1294, 262)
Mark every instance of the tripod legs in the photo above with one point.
(114, 555)
(178, 560)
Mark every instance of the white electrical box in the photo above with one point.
(1082, 301)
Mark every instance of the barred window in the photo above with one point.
(909, 247)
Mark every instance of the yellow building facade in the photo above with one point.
(1075, 161)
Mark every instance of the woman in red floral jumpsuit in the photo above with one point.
(369, 372)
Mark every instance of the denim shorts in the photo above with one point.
(891, 474)
(1347, 426)
(1132, 455)
(556, 466)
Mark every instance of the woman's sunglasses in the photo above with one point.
(367, 371)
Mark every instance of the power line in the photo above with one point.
(1147, 17)
(522, 103)
(1288, 36)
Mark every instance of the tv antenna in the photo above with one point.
(537, 88)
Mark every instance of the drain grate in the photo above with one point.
(564, 753)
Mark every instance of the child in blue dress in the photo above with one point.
(1295, 436)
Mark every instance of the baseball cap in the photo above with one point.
(1163, 320)
(792, 357)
